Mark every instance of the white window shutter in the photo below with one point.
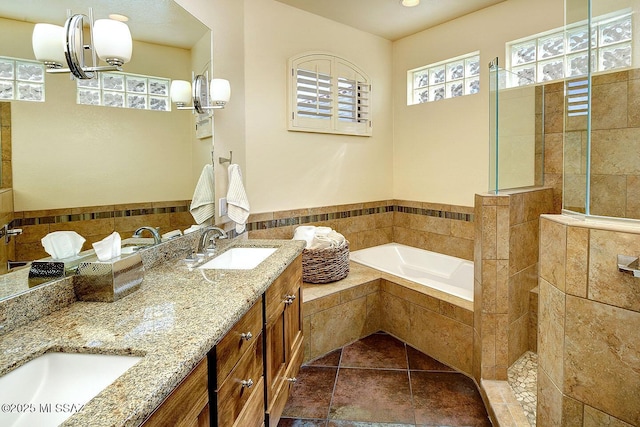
(328, 94)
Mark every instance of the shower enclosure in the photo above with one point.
(516, 139)
(579, 133)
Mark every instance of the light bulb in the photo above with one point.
(220, 91)
(410, 3)
(180, 92)
(48, 44)
(112, 41)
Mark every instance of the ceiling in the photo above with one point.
(153, 21)
(388, 18)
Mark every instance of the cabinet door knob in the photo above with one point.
(246, 336)
(247, 383)
(288, 299)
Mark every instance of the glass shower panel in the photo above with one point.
(601, 167)
(516, 134)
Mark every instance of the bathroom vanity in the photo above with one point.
(217, 346)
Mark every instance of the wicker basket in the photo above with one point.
(325, 265)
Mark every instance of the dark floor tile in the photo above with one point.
(311, 394)
(372, 395)
(329, 359)
(449, 399)
(291, 422)
(364, 424)
(375, 351)
(421, 362)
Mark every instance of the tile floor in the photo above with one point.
(380, 381)
(523, 379)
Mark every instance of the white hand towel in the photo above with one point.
(203, 203)
(237, 202)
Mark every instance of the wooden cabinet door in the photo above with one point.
(187, 405)
(283, 336)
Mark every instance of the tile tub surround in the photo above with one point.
(588, 346)
(447, 229)
(506, 270)
(94, 223)
(369, 300)
(173, 321)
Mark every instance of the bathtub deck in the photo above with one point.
(359, 274)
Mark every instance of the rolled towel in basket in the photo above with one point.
(332, 240)
(306, 233)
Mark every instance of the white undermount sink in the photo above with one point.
(239, 259)
(49, 389)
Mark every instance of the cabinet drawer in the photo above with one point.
(252, 414)
(235, 342)
(185, 404)
(284, 285)
(232, 395)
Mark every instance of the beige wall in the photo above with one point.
(285, 169)
(226, 19)
(441, 148)
(67, 155)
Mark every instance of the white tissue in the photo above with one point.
(109, 247)
(63, 244)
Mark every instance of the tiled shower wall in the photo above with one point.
(615, 142)
(589, 352)
(506, 271)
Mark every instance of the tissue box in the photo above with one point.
(108, 281)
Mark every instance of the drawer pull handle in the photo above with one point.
(292, 380)
(247, 383)
(246, 336)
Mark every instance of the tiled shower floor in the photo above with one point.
(522, 376)
(380, 381)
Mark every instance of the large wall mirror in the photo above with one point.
(67, 155)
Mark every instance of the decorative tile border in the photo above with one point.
(252, 226)
(307, 219)
(54, 219)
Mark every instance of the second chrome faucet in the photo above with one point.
(208, 239)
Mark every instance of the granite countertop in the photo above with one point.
(173, 320)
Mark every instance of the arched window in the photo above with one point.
(328, 94)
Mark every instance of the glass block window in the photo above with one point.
(447, 79)
(21, 80)
(565, 53)
(124, 90)
(328, 94)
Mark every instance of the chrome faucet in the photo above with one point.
(154, 231)
(203, 245)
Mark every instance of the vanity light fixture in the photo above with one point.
(410, 3)
(55, 45)
(202, 94)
